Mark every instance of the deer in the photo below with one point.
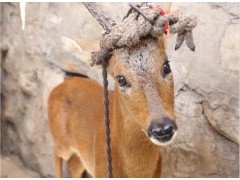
(141, 108)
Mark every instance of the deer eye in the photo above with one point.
(122, 81)
(166, 68)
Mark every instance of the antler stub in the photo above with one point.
(103, 20)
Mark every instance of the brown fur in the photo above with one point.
(76, 115)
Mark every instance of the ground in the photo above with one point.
(11, 167)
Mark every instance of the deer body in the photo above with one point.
(76, 116)
(80, 130)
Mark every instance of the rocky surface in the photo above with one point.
(12, 167)
(206, 83)
(8, 167)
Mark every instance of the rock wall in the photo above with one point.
(206, 84)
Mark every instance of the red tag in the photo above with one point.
(163, 13)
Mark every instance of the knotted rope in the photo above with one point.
(136, 25)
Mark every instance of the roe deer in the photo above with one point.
(141, 114)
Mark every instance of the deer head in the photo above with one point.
(136, 58)
(145, 88)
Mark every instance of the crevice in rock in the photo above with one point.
(70, 74)
(186, 87)
(205, 106)
(225, 7)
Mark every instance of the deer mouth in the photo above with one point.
(165, 138)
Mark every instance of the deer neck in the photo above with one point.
(130, 144)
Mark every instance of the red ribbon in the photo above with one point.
(162, 12)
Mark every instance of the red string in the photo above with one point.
(162, 12)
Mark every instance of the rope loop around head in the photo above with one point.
(135, 26)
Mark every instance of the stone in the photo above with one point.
(9, 167)
(199, 151)
(230, 44)
(230, 8)
(27, 82)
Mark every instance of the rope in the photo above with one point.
(134, 27)
(106, 117)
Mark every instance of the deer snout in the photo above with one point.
(162, 131)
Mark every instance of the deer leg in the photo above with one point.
(58, 165)
(75, 166)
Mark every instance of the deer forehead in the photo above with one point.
(143, 59)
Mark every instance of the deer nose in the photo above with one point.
(163, 130)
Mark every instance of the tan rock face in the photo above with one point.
(230, 44)
(8, 167)
(206, 83)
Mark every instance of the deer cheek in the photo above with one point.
(167, 97)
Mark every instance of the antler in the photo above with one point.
(104, 53)
(103, 20)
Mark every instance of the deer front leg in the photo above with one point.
(58, 165)
(75, 166)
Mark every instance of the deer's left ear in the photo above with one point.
(163, 41)
(80, 48)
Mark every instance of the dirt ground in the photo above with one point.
(12, 167)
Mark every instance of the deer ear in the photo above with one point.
(79, 48)
(75, 57)
(163, 41)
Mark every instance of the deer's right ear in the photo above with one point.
(80, 48)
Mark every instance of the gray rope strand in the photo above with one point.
(106, 117)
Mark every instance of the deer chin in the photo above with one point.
(164, 141)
